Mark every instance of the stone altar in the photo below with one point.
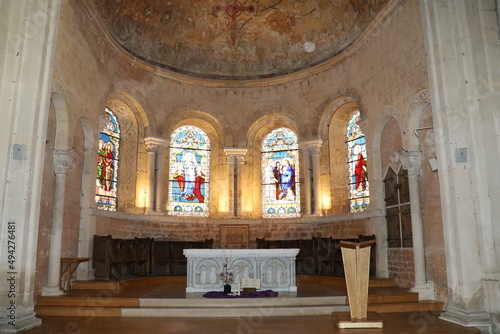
(274, 267)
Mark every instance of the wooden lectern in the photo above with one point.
(356, 257)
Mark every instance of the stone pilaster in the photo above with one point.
(461, 39)
(29, 30)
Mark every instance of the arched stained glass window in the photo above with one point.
(356, 156)
(189, 174)
(107, 163)
(280, 173)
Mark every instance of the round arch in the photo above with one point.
(62, 121)
(252, 172)
(288, 116)
(136, 105)
(212, 119)
(415, 109)
(217, 136)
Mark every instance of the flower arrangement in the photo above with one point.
(226, 276)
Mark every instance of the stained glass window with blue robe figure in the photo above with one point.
(280, 174)
(359, 191)
(107, 163)
(189, 174)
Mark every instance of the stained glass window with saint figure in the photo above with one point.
(189, 174)
(356, 164)
(280, 174)
(107, 162)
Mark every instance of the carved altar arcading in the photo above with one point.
(274, 267)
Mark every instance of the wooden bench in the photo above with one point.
(126, 258)
(319, 255)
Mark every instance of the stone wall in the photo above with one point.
(400, 263)
(172, 229)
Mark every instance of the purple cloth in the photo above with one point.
(220, 294)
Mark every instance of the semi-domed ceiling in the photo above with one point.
(231, 39)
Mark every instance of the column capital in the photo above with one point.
(235, 151)
(63, 160)
(411, 161)
(238, 153)
(153, 144)
(312, 145)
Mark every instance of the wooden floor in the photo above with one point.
(394, 323)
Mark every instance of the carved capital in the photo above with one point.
(152, 148)
(155, 144)
(240, 160)
(235, 153)
(411, 161)
(312, 145)
(63, 160)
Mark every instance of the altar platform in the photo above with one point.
(166, 297)
(161, 304)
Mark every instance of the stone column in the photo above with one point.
(235, 161)
(411, 161)
(240, 162)
(63, 160)
(312, 166)
(153, 146)
(231, 185)
(160, 174)
(29, 31)
(316, 154)
(150, 194)
(306, 190)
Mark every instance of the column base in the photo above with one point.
(425, 290)
(20, 324)
(480, 320)
(52, 291)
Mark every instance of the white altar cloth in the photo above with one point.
(274, 267)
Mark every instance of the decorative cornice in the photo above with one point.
(243, 253)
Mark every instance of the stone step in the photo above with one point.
(187, 303)
(231, 312)
(155, 307)
(83, 311)
(87, 302)
(242, 302)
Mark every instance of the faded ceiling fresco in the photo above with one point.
(232, 39)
